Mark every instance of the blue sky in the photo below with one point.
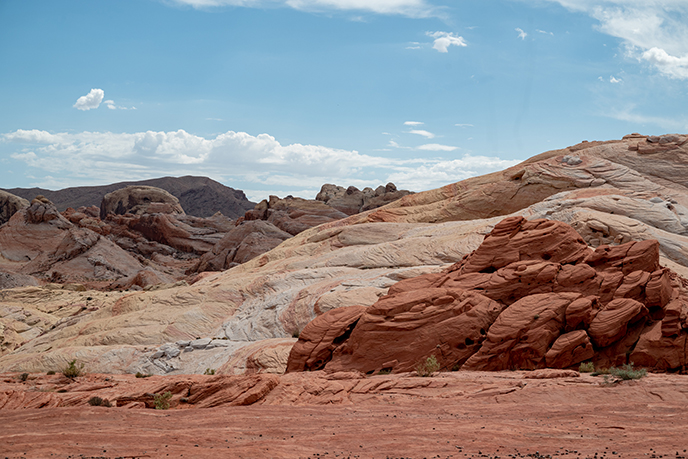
(281, 96)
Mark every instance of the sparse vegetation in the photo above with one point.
(23, 377)
(209, 372)
(586, 367)
(428, 367)
(162, 401)
(72, 370)
(385, 371)
(615, 375)
(628, 372)
(51, 372)
(142, 375)
(97, 401)
(295, 334)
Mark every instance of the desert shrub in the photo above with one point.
(627, 372)
(385, 371)
(587, 367)
(209, 372)
(97, 401)
(600, 371)
(162, 401)
(72, 370)
(427, 367)
(142, 375)
(51, 372)
(23, 376)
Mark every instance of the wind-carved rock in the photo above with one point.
(351, 200)
(533, 295)
(138, 200)
(9, 205)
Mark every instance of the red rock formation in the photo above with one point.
(533, 295)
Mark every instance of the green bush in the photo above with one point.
(23, 376)
(72, 370)
(97, 401)
(162, 401)
(51, 372)
(428, 367)
(141, 375)
(627, 372)
(587, 367)
(209, 372)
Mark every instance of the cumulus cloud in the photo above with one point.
(411, 8)
(422, 132)
(437, 147)
(614, 80)
(652, 31)
(238, 159)
(91, 100)
(675, 67)
(443, 40)
(521, 34)
(434, 174)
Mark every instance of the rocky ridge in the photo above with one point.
(199, 196)
(611, 193)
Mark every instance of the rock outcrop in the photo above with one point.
(352, 201)
(533, 295)
(198, 196)
(244, 242)
(293, 215)
(138, 200)
(609, 194)
(9, 205)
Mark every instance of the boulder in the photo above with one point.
(9, 205)
(241, 244)
(139, 200)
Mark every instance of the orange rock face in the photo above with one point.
(533, 295)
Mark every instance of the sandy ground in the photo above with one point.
(475, 415)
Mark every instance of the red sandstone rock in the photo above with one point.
(321, 336)
(533, 295)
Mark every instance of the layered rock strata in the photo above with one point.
(533, 295)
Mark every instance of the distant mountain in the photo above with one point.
(199, 196)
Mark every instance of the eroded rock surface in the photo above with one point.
(9, 205)
(139, 200)
(609, 194)
(533, 295)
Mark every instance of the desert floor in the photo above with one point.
(477, 414)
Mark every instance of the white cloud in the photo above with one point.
(90, 100)
(411, 8)
(443, 40)
(434, 174)
(464, 125)
(675, 67)
(427, 134)
(238, 159)
(437, 147)
(614, 80)
(544, 32)
(413, 123)
(112, 106)
(652, 31)
(521, 34)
